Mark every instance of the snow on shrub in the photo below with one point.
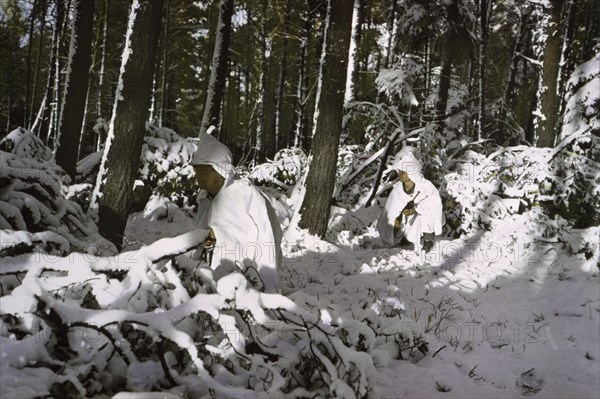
(564, 181)
(283, 172)
(33, 210)
(155, 319)
(164, 168)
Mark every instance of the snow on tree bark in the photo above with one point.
(483, 33)
(546, 130)
(328, 119)
(216, 85)
(76, 86)
(120, 161)
(352, 74)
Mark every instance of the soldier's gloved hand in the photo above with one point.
(408, 211)
(210, 241)
(397, 223)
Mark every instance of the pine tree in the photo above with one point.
(549, 98)
(76, 86)
(218, 73)
(328, 118)
(120, 161)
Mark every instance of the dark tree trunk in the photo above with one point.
(510, 85)
(216, 85)
(29, 63)
(46, 111)
(442, 102)
(567, 61)
(391, 18)
(483, 30)
(300, 120)
(38, 62)
(122, 156)
(328, 125)
(76, 86)
(262, 116)
(549, 98)
(282, 73)
(592, 30)
(509, 90)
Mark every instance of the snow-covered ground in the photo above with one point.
(504, 313)
(519, 315)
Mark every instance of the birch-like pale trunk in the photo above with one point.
(547, 124)
(120, 160)
(352, 73)
(216, 85)
(38, 64)
(29, 56)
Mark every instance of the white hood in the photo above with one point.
(411, 165)
(212, 152)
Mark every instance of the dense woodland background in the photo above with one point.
(497, 53)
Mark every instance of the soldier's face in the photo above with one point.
(208, 179)
(403, 176)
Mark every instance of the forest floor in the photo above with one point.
(504, 313)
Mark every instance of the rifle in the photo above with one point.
(411, 206)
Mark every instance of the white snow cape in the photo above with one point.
(246, 227)
(428, 205)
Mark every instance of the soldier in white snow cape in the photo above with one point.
(413, 209)
(244, 228)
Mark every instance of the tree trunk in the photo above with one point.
(100, 106)
(162, 107)
(282, 71)
(38, 63)
(216, 85)
(512, 77)
(391, 17)
(261, 114)
(76, 86)
(591, 32)
(29, 56)
(45, 113)
(510, 85)
(566, 60)
(483, 29)
(352, 74)
(549, 99)
(328, 119)
(442, 102)
(120, 161)
(301, 125)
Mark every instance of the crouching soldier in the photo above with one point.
(244, 229)
(413, 211)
